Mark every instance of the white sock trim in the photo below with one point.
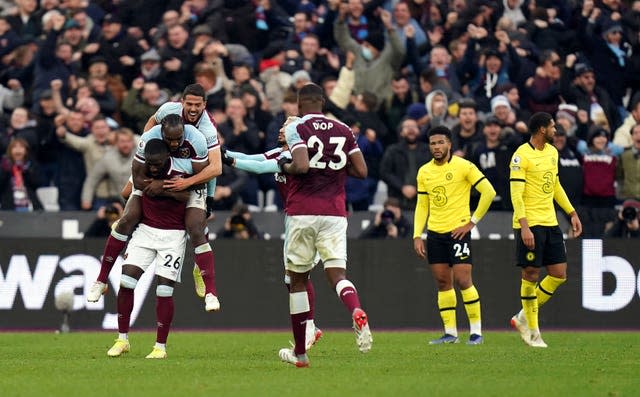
(124, 336)
(202, 248)
(298, 302)
(164, 291)
(128, 282)
(342, 284)
(118, 236)
(161, 346)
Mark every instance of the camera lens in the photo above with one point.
(629, 214)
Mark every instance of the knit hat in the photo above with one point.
(376, 39)
(567, 111)
(300, 75)
(416, 111)
(499, 100)
(611, 27)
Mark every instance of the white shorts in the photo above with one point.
(198, 199)
(308, 235)
(316, 259)
(163, 247)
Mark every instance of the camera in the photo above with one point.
(629, 214)
(387, 217)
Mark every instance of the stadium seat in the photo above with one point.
(49, 197)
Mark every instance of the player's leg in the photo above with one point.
(299, 252)
(116, 242)
(164, 316)
(196, 223)
(313, 333)
(555, 260)
(439, 254)
(464, 280)
(128, 280)
(447, 301)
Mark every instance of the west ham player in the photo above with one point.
(160, 237)
(323, 152)
(271, 162)
(185, 142)
(192, 110)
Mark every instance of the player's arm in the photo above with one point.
(420, 217)
(140, 179)
(560, 196)
(299, 161)
(487, 193)
(257, 167)
(152, 122)
(244, 156)
(357, 167)
(210, 171)
(517, 182)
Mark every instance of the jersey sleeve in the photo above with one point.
(517, 180)
(421, 213)
(198, 142)
(167, 109)
(258, 167)
(209, 130)
(146, 137)
(292, 136)
(351, 144)
(487, 192)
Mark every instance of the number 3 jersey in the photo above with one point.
(329, 143)
(448, 187)
(535, 184)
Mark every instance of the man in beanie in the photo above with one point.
(376, 61)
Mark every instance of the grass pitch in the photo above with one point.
(247, 364)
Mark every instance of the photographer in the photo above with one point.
(388, 223)
(106, 216)
(239, 225)
(627, 224)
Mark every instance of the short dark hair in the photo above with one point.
(539, 120)
(195, 90)
(155, 147)
(440, 130)
(468, 103)
(311, 93)
(171, 121)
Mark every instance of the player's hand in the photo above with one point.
(154, 188)
(418, 246)
(176, 184)
(226, 159)
(576, 225)
(527, 238)
(282, 161)
(459, 232)
(210, 203)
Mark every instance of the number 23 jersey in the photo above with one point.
(329, 144)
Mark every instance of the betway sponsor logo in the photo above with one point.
(34, 288)
(594, 265)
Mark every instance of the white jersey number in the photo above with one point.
(315, 142)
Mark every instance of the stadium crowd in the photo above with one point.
(79, 79)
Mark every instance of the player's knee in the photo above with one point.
(128, 282)
(164, 291)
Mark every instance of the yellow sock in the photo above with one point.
(447, 305)
(529, 303)
(471, 301)
(547, 287)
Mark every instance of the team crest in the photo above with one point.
(183, 153)
(531, 256)
(449, 176)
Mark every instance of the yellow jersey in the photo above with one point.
(447, 187)
(535, 184)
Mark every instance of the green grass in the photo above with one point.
(246, 363)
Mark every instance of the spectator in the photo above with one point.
(19, 179)
(25, 22)
(400, 163)
(599, 164)
(437, 106)
(239, 225)
(468, 130)
(569, 167)
(543, 89)
(150, 65)
(389, 223)
(93, 148)
(212, 78)
(629, 168)
(626, 224)
(20, 126)
(111, 172)
(501, 109)
(99, 92)
(623, 135)
(141, 102)
(71, 169)
(394, 106)
(9, 39)
(48, 144)
(106, 217)
(376, 63)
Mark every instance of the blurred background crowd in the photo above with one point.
(79, 79)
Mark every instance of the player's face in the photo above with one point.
(156, 165)
(549, 131)
(440, 146)
(173, 136)
(193, 106)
